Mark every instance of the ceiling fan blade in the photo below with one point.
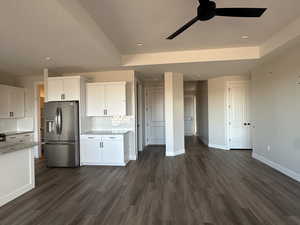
(203, 1)
(183, 28)
(240, 12)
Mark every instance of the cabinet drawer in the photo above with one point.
(12, 139)
(20, 138)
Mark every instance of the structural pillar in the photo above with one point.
(174, 114)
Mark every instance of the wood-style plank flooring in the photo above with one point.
(203, 187)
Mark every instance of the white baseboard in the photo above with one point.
(222, 147)
(133, 157)
(102, 164)
(17, 193)
(203, 140)
(276, 166)
(179, 152)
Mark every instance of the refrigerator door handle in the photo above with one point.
(60, 120)
(56, 121)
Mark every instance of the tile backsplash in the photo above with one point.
(8, 125)
(111, 123)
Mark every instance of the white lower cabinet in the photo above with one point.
(20, 138)
(111, 150)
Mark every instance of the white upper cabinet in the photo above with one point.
(5, 111)
(55, 89)
(12, 102)
(115, 99)
(95, 100)
(63, 89)
(106, 99)
(18, 102)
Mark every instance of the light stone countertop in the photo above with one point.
(106, 132)
(13, 147)
(11, 133)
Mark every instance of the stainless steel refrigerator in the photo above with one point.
(62, 134)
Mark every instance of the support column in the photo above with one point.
(174, 114)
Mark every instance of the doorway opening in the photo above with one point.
(190, 115)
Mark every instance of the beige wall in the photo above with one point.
(7, 79)
(276, 110)
(217, 109)
(202, 111)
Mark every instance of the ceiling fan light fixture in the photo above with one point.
(245, 37)
(139, 44)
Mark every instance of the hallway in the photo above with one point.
(201, 187)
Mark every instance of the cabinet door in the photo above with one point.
(55, 89)
(115, 99)
(4, 102)
(112, 152)
(95, 100)
(91, 151)
(71, 90)
(18, 102)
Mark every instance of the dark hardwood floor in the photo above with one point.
(210, 187)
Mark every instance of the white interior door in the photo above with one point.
(155, 116)
(189, 117)
(239, 115)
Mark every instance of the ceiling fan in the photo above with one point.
(208, 10)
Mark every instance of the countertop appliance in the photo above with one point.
(62, 134)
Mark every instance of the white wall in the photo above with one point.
(7, 79)
(202, 111)
(217, 110)
(276, 111)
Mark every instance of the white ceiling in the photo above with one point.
(89, 35)
(32, 30)
(143, 21)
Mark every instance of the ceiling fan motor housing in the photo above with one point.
(207, 11)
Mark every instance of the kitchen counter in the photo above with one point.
(11, 133)
(13, 147)
(16, 170)
(106, 132)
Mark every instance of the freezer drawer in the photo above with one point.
(62, 154)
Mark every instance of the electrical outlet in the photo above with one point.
(269, 148)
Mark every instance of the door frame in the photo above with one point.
(140, 116)
(146, 111)
(194, 113)
(227, 114)
(37, 117)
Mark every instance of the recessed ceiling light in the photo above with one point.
(245, 37)
(139, 44)
(48, 58)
